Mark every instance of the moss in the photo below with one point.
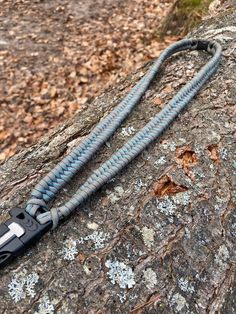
(192, 9)
(183, 16)
(189, 5)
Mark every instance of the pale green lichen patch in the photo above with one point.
(148, 236)
(189, 262)
(92, 225)
(150, 278)
(181, 198)
(23, 285)
(178, 302)
(116, 195)
(222, 256)
(87, 269)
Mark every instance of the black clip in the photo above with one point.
(202, 45)
(18, 233)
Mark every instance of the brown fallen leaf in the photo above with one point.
(158, 101)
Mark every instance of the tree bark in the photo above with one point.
(160, 237)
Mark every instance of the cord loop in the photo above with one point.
(47, 188)
(34, 204)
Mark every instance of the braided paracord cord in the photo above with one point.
(46, 189)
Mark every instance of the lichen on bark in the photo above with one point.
(160, 237)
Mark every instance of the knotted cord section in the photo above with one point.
(47, 188)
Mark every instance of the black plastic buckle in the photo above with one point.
(18, 233)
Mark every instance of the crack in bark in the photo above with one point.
(220, 291)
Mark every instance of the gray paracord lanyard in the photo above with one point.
(15, 234)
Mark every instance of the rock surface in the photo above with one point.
(160, 237)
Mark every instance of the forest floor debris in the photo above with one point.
(56, 56)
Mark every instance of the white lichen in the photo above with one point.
(148, 236)
(150, 278)
(138, 185)
(45, 306)
(23, 285)
(128, 131)
(201, 277)
(69, 251)
(233, 229)
(185, 285)
(16, 289)
(224, 153)
(160, 161)
(166, 206)
(169, 145)
(133, 297)
(122, 297)
(120, 273)
(98, 238)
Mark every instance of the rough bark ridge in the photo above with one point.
(160, 237)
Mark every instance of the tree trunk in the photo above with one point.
(160, 237)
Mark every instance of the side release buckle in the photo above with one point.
(18, 233)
